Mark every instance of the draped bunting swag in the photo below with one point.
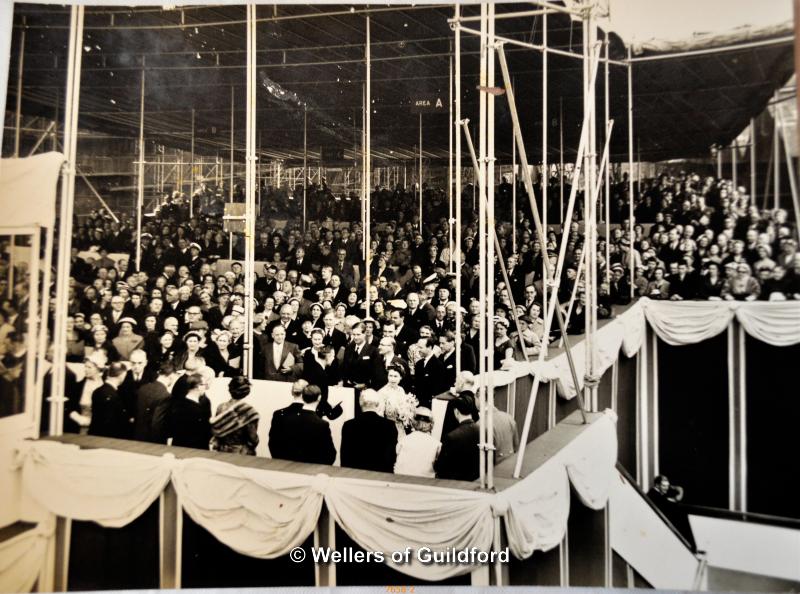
(675, 322)
(265, 513)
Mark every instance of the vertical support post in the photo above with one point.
(491, 231)
(305, 162)
(456, 123)
(450, 219)
(734, 164)
(62, 537)
(631, 189)
(67, 200)
(607, 192)
(753, 186)
(368, 166)
(230, 183)
(561, 159)
(737, 415)
(776, 147)
(140, 177)
(545, 173)
(719, 162)
(420, 172)
(55, 119)
(18, 114)
(325, 537)
(481, 354)
(513, 192)
(170, 536)
(590, 211)
(191, 172)
(647, 409)
(250, 189)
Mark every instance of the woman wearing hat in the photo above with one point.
(192, 342)
(127, 341)
(99, 342)
(417, 451)
(78, 407)
(235, 425)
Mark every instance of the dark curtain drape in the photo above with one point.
(773, 409)
(693, 419)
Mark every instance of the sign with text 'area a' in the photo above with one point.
(428, 104)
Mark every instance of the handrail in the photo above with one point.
(741, 516)
(653, 506)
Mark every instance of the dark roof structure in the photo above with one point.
(312, 56)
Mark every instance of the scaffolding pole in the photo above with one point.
(368, 164)
(191, 173)
(534, 209)
(420, 173)
(18, 113)
(250, 189)
(140, 176)
(305, 164)
(490, 276)
(590, 217)
(753, 161)
(608, 172)
(457, 137)
(545, 174)
(631, 194)
(776, 147)
(67, 200)
(482, 286)
(553, 307)
(450, 170)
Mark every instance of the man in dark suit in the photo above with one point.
(429, 375)
(152, 406)
(384, 359)
(458, 458)
(299, 434)
(447, 344)
(277, 440)
(404, 334)
(137, 376)
(336, 339)
(369, 441)
(359, 360)
(109, 418)
(293, 327)
(280, 357)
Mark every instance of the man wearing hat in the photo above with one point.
(195, 261)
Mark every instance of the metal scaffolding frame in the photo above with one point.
(594, 181)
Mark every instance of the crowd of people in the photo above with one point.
(386, 327)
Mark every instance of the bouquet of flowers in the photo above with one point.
(401, 408)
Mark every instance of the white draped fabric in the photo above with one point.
(257, 513)
(687, 322)
(774, 322)
(675, 322)
(21, 559)
(264, 513)
(390, 516)
(112, 488)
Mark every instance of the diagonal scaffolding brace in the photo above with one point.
(526, 175)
